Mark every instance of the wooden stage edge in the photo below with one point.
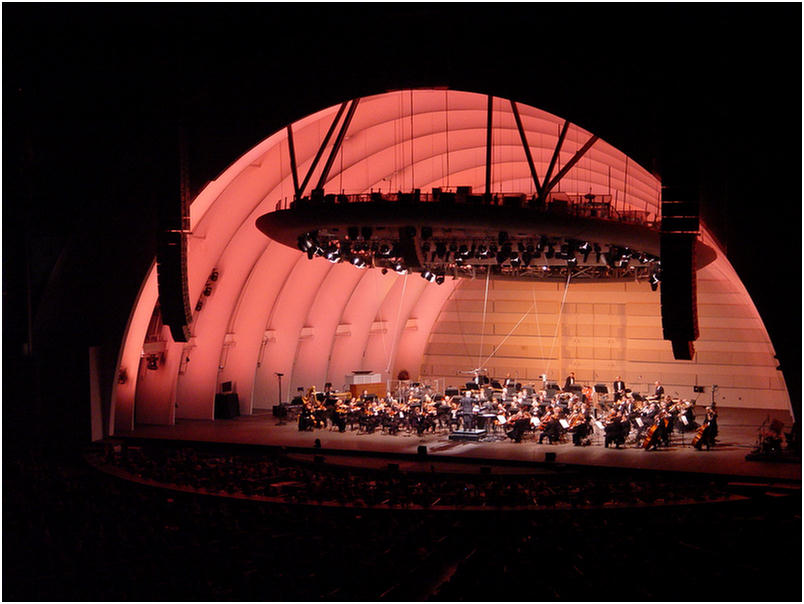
(738, 434)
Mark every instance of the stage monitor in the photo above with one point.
(601, 389)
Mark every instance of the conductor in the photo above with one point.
(569, 381)
(467, 411)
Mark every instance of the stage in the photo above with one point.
(738, 434)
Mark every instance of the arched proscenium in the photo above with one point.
(272, 310)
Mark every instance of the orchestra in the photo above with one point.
(577, 414)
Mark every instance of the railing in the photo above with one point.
(571, 204)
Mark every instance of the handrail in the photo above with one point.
(570, 204)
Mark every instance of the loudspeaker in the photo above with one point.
(682, 350)
(549, 457)
(421, 451)
(679, 293)
(171, 278)
(227, 405)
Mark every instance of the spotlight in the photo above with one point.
(153, 362)
(655, 278)
(400, 268)
(358, 262)
(213, 276)
(439, 279)
(463, 251)
(585, 249)
(482, 252)
(305, 242)
(573, 261)
(332, 254)
(427, 275)
(385, 250)
(207, 290)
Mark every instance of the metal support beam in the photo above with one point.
(490, 110)
(552, 165)
(292, 153)
(574, 160)
(337, 144)
(323, 146)
(526, 147)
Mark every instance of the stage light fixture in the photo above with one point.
(400, 268)
(655, 278)
(439, 279)
(428, 276)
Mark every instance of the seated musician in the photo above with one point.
(616, 429)
(306, 420)
(647, 416)
(579, 425)
(550, 427)
(339, 416)
(710, 429)
(518, 424)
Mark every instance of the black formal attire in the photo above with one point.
(659, 392)
(619, 390)
(569, 382)
(467, 412)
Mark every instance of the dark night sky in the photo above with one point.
(707, 95)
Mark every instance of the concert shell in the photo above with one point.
(271, 310)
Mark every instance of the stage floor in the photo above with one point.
(738, 433)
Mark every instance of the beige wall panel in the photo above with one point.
(725, 311)
(713, 286)
(729, 322)
(734, 358)
(643, 333)
(736, 334)
(643, 310)
(515, 306)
